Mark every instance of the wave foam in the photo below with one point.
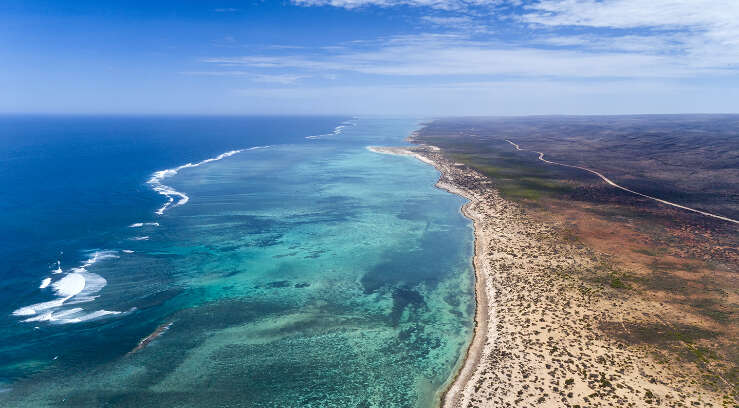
(77, 286)
(69, 285)
(337, 130)
(51, 316)
(96, 257)
(143, 224)
(89, 316)
(156, 180)
(34, 309)
(73, 315)
(93, 283)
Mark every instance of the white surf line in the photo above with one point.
(156, 180)
(143, 224)
(337, 130)
(607, 180)
(77, 286)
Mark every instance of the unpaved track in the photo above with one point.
(609, 181)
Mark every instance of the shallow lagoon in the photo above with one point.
(305, 274)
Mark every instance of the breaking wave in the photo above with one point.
(75, 287)
(337, 130)
(156, 180)
(143, 224)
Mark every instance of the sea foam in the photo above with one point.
(337, 130)
(73, 315)
(156, 180)
(69, 285)
(142, 224)
(77, 286)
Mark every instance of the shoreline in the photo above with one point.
(556, 335)
(451, 392)
(450, 395)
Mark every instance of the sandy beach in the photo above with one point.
(546, 334)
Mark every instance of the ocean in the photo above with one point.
(226, 261)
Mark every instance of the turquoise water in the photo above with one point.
(302, 274)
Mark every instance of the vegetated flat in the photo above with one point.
(689, 159)
(670, 280)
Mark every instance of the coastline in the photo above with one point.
(544, 335)
(450, 394)
(304, 303)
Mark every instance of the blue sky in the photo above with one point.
(418, 57)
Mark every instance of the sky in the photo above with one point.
(384, 57)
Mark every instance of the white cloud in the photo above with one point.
(448, 21)
(518, 97)
(284, 79)
(699, 34)
(436, 4)
(707, 14)
(704, 31)
(458, 23)
(454, 56)
(618, 43)
(558, 56)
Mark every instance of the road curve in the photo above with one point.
(609, 181)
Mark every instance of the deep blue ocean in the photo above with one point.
(226, 261)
